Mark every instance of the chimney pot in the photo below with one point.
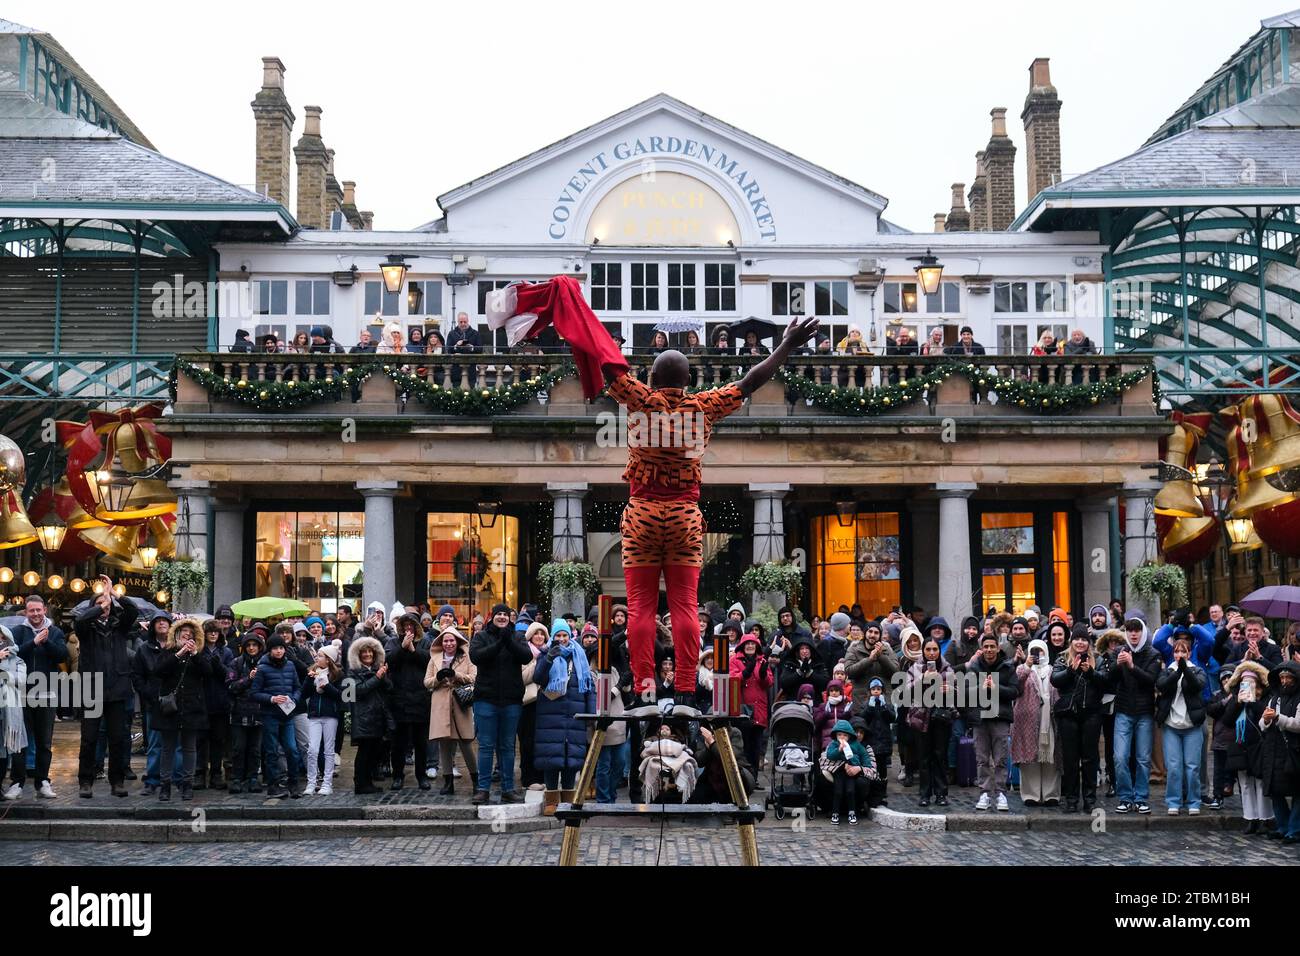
(1040, 74)
(940, 221)
(349, 193)
(958, 195)
(311, 125)
(999, 114)
(272, 73)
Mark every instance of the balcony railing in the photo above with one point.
(380, 395)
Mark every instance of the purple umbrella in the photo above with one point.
(1276, 601)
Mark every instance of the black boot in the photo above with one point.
(165, 792)
(397, 783)
(473, 781)
(187, 791)
(448, 786)
(1252, 827)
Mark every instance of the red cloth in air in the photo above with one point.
(559, 302)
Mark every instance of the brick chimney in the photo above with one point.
(367, 220)
(274, 124)
(350, 212)
(1000, 163)
(1042, 119)
(958, 217)
(940, 221)
(333, 191)
(313, 166)
(979, 196)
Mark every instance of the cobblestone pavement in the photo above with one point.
(602, 846)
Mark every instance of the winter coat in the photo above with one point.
(830, 651)
(186, 677)
(500, 656)
(244, 711)
(1279, 748)
(1134, 687)
(918, 697)
(275, 678)
(1008, 687)
(43, 658)
(826, 714)
(958, 651)
(560, 741)
(370, 692)
(854, 752)
(1202, 637)
(860, 668)
(879, 721)
(216, 697)
(794, 672)
(754, 687)
(448, 720)
(105, 646)
(1225, 708)
(1079, 691)
(409, 701)
(1027, 716)
(1194, 682)
(144, 673)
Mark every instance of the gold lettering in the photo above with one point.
(696, 200)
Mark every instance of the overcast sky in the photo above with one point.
(421, 98)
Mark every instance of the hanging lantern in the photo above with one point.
(54, 582)
(51, 532)
(32, 578)
(77, 585)
(394, 273)
(929, 271)
(1241, 534)
(6, 575)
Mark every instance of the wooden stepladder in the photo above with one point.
(724, 716)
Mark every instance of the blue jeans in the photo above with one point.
(277, 732)
(958, 732)
(153, 760)
(1183, 765)
(495, 726)
(1287, 817)
(611, 770)
(1133, 734)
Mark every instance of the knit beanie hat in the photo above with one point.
(839, 622)
(274, 641)
(805, 690)
(333, 649)
(500, 609)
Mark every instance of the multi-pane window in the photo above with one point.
(273, 297)
(788, 298)
(900, 297)
(681, 287)
(945, 300)
(1011, 297)
(424, 297)
(1013, 340)
(1050, 297)
(379, 301)
(645, 287)
(311, 297)
(607, 286)
(830, 298)
(719, 287)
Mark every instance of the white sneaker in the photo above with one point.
(1002, 803)
(14, 792)
(336, 771)
(326, 790)
(46, 791)
(985, 802)
(455, 772)
(901, 774)
(1173, 811)
(1193, 811)
(431, 773)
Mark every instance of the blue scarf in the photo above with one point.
(1241, 726)
(560, 671)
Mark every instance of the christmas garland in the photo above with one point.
(1045, 398)
(475, 401)
(273, 396)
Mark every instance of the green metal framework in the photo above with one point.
(1263, 62)
(48, 81)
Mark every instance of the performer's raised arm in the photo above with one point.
(797, 333)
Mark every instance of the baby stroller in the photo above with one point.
(793, 758)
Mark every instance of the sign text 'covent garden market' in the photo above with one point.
(702, 153)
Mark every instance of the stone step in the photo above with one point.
(200, 830)
(262, 810)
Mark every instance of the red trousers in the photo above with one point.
(642, 603)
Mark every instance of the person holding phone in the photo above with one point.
(1078, 711)
(1035, 748)
(1130, 672)
(997, 692)
(183, 667)
(1180, 712)
(451, 724)
(931, 690)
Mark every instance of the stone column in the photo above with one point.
(1140, 544)
(568, 539)
(379, 556)
(1095, 550)
(228, 551)
(769, 535)
(925, 552)
(956, 596)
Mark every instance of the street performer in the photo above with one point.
(662, 528)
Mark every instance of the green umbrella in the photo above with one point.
(264, 607)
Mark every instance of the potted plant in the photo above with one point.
(1168, 582)
(187, 581)
(568, 583)
(774, 582)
